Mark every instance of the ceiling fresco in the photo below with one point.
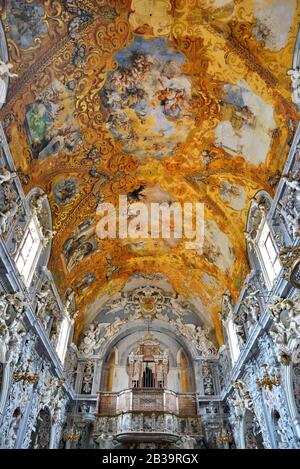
(162, 100)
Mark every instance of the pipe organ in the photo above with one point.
(148, 364)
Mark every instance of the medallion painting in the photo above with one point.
(65, 190)
(81, 244)
(145, 101)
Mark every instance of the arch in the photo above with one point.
(156, 326)
(291, 380)
(41, 435)
(184, 369)
(111, 370)
(252, 436)
(122, 362)
(275, 418)
(14, 428)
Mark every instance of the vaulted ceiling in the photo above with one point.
(162, 100)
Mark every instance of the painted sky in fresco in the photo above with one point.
(145, 101)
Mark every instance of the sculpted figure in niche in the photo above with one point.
(293, 182)
(251, 304)
(243, 394)
(6, 218)
(289, 205)
(259, 208)
(240, 328)
(227, 305)
(13, 429)
(286, 317)
(37, 204)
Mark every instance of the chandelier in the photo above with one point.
(267, 381)
(224, 437)
(72, 435)
(26, 377)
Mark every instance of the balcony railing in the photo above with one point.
(147, 400)
(135, 425)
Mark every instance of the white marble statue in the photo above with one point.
(6, 176)
(6, 216)
(294, 73)
(36, 204)
(5, 71)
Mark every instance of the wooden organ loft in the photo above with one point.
(148, 365)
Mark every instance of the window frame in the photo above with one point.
(233, 340)
(32, 230)
(63, 339)
(270, 266)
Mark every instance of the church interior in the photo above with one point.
(141, 342)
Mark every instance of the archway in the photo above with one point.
(252, 432)
(111, 370)
(277, 430)
(40, 437)
(169, 363)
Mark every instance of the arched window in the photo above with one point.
(111, 370)
(184, 372)
(63, 339)
(30, 248)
